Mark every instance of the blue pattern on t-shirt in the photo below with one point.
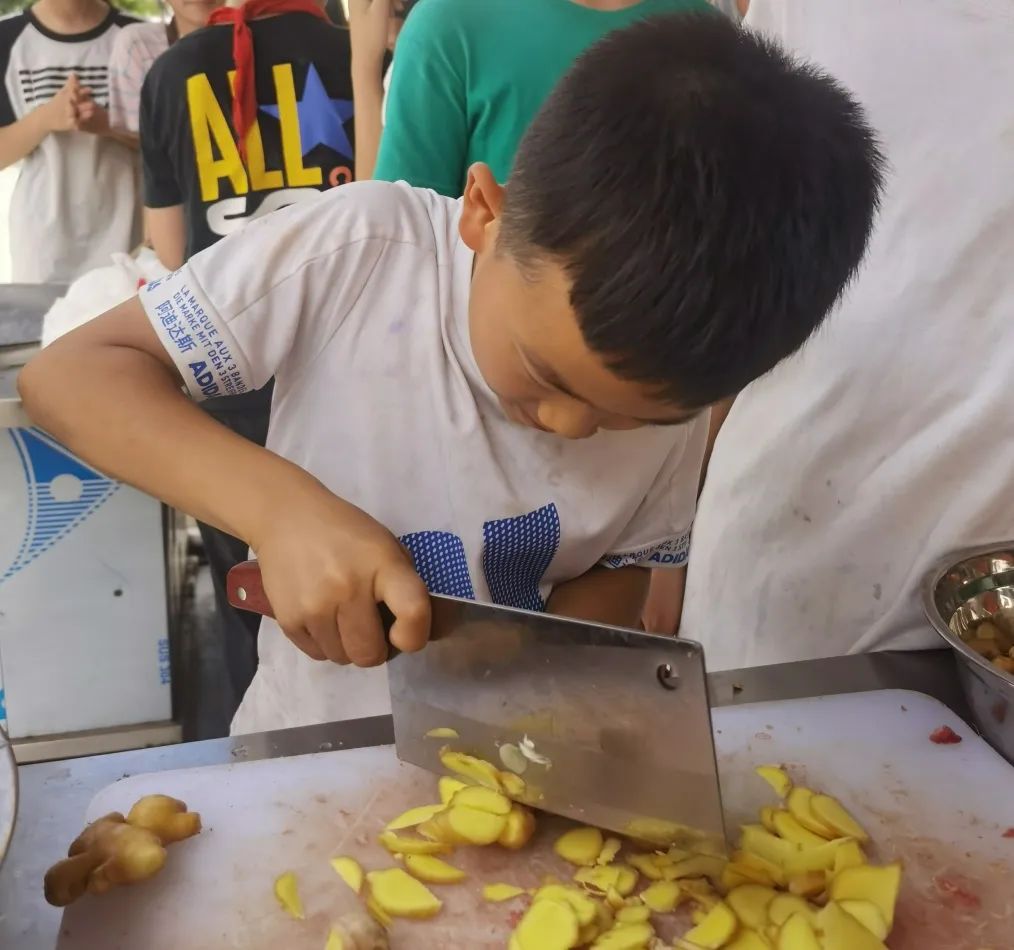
(516, 554)
(440, 560)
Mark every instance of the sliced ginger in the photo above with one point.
(413, 817)
(841, 931)
(498, 893)
(777, 778)
(548, 925)
(585, 909)
(808, 848)
(518, 829)
(350, 871)
(662, 897)
(869, 915)
(287, 893)
(448, 786)
(618, 877)
(878, 885)
(427, 868)
(399, 844)
(715, 929)
(750, 902)
(580, 846)
(631, 936)
(798, 933)
(482, 799)
(478, 770)
(832, 813)
(398, 894)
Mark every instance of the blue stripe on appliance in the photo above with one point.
(62, 493)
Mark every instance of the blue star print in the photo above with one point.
(321, 118)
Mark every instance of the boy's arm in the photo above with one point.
(663, 610)
(603, 595)
(425, 139)
(112, 394)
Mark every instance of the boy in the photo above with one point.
(75, 202)
(470, 75)
(840, 479)
(502, 397)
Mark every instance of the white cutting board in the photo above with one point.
(942, 809)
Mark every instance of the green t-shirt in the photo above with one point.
(469, 76)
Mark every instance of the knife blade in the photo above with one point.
(608, 726)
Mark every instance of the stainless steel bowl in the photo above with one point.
(8, 794)
(965, 589)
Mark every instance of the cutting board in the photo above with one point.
(941, 809)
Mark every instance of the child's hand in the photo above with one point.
(326, 565)
(91, 117)
(60, 113)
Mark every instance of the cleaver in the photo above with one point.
(607, 726)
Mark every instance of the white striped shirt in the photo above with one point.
(134, 50)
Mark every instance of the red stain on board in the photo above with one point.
(956, 892)
(945, 735)
(1009, 833)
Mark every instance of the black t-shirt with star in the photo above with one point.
(302, 142)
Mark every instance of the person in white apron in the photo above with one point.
(841, 477)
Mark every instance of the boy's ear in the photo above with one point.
(480, 215)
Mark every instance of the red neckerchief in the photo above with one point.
(244, 93)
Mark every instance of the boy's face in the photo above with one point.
(528, 344)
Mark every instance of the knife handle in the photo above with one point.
(244, 587)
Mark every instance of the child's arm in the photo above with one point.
(166, 229)
(22, 137)
(110, 392)
(368, 26)
(603, 595)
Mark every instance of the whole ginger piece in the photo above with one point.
(116, 850)
(167, 817)
(108, 852)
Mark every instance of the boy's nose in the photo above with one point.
(568, 418)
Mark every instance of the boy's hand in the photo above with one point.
(60, 113)
(326, 565)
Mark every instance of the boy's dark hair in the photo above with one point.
(708, 196)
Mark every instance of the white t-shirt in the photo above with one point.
(76, 201)
(888, 442)
(357, 303)
(134, 50)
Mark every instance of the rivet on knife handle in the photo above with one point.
(245, 589)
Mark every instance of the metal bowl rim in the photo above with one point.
(7, 834)
(932, 578)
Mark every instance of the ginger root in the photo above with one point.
(108, 852)
(167, 817)
(116, 850)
